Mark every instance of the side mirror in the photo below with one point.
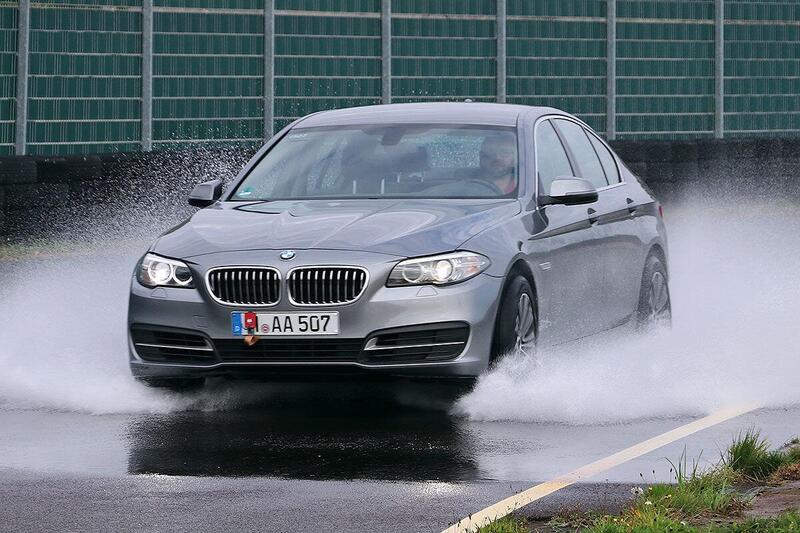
(569, 190)
(205, 194)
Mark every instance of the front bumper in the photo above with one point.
(472, 303)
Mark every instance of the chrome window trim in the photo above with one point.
(589, 131)
(230, 304)
(302, 267)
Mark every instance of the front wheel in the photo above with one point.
(655, 306)
(515, 331)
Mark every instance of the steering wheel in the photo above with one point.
(486, 185)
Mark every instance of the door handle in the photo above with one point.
(631, 207)
(591, 212)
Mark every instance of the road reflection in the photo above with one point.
(313, 432)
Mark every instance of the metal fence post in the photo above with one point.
(386, 51)
(719, 69)
(502, 18)
(23, 35)
(269, 68)
(147, 75)
(611, 70)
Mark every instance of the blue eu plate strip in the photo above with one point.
(236, 323)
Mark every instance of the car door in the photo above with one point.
(627, 244)
(615, 228)
(562, 238)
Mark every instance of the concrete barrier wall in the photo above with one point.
(97, 196)
(680, 170)
(127, 194)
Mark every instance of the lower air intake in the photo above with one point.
(171, 346)
(433, 342)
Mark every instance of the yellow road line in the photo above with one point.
(504, 507)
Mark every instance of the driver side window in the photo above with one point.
(551, 158)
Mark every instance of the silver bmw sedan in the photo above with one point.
(415, 240)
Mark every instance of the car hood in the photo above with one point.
(395, 227)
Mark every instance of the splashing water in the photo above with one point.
(64, 346)
(736, 298)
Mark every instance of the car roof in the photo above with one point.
(428, 113)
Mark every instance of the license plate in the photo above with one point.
(283, 324)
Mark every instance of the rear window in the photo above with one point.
(607, 160)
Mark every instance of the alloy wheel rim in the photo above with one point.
(658, 299)
(524, 326)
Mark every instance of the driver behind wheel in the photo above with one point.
(498, 162)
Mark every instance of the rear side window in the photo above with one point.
(589, 167)
(606, 159)
(551, 159)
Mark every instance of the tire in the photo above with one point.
(655, 305)
(173, 384)
(517, 321)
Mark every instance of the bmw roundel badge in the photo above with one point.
(286, 255)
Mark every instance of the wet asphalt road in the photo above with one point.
(330, 458)
(300, 458)
(319, 459)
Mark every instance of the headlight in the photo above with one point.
(438, 269)
(155, 271)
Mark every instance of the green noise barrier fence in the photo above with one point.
(95, 76)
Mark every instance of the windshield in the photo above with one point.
(394, 161)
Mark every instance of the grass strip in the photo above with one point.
(710, 501)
